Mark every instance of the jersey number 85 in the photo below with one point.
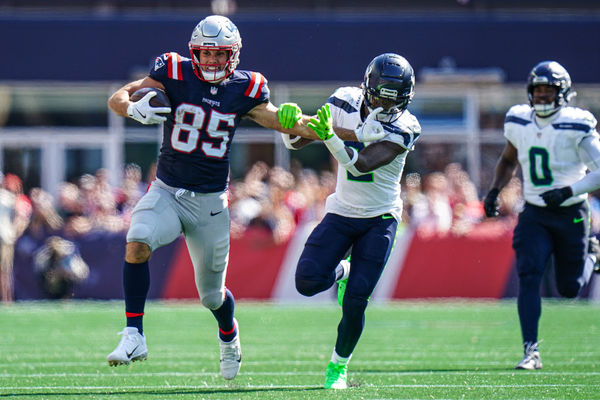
(196, 117)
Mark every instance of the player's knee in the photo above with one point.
(307, 287)
(137, 252)
(308, 279)
(140, 233)
(214, 300)
(529, 282)
(569, 289)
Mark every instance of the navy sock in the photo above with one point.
(136, 282)
(224, 315)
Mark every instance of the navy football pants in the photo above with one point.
(371, 240)
(541, 232)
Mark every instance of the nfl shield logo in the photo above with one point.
(539, 135)
(213, 90)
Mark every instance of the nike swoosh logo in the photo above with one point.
(129, 354)
(385, 216)
(212, 214)
(143, 116)
(577, 220)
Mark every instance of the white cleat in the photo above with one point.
(231, 356)
(531, 360)
(132, 347)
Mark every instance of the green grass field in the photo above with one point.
(413, 350)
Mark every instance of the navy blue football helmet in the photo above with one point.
(549, 73)
(389, 83)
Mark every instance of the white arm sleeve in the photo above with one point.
(589, 151)
(337, 148)
(589, 183)
(289, 142)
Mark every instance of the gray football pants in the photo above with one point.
(165, 212)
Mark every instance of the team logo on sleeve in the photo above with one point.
(158, 63)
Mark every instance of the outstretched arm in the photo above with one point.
(265, 114)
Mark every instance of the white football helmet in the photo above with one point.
(215, 33)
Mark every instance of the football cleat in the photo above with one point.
(531, 360)
(594, 251)
(132, 347)
(336, 376)
(231, 356)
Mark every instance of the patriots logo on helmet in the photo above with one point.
(158, 63)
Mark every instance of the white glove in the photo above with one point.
(143, 112)
(371, 129)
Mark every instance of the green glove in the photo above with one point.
(322, 126)
(289, 114)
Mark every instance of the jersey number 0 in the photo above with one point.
(539, 167)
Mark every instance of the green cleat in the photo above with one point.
(341, 290)
(336, 376)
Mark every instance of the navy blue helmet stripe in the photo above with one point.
(516, 120)
(573, 126)
(344, 105)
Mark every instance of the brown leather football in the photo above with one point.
(160, 100)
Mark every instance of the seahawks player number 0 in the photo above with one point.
(539, 166)
(198, 116)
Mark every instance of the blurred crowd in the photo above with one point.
(268, 197)
(271, 198)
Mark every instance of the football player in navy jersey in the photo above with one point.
(364, 211)
(554, 144)
(208, 97)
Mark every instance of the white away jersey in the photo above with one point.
(550, 157)
(377, 192)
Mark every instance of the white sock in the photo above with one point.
(342, 270)
(337, 359)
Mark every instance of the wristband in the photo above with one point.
(337, 148)
(288, 142)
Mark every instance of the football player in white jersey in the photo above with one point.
(364, 212)
(555, 145)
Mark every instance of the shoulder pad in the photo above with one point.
(575, 118)
(409, 122)
(255, 83)
(171, 62)
(404, 131)
(523, 110)
(519, 114)
(346, 98)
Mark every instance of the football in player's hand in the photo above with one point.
(160, 100)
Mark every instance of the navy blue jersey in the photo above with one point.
(197, 133)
